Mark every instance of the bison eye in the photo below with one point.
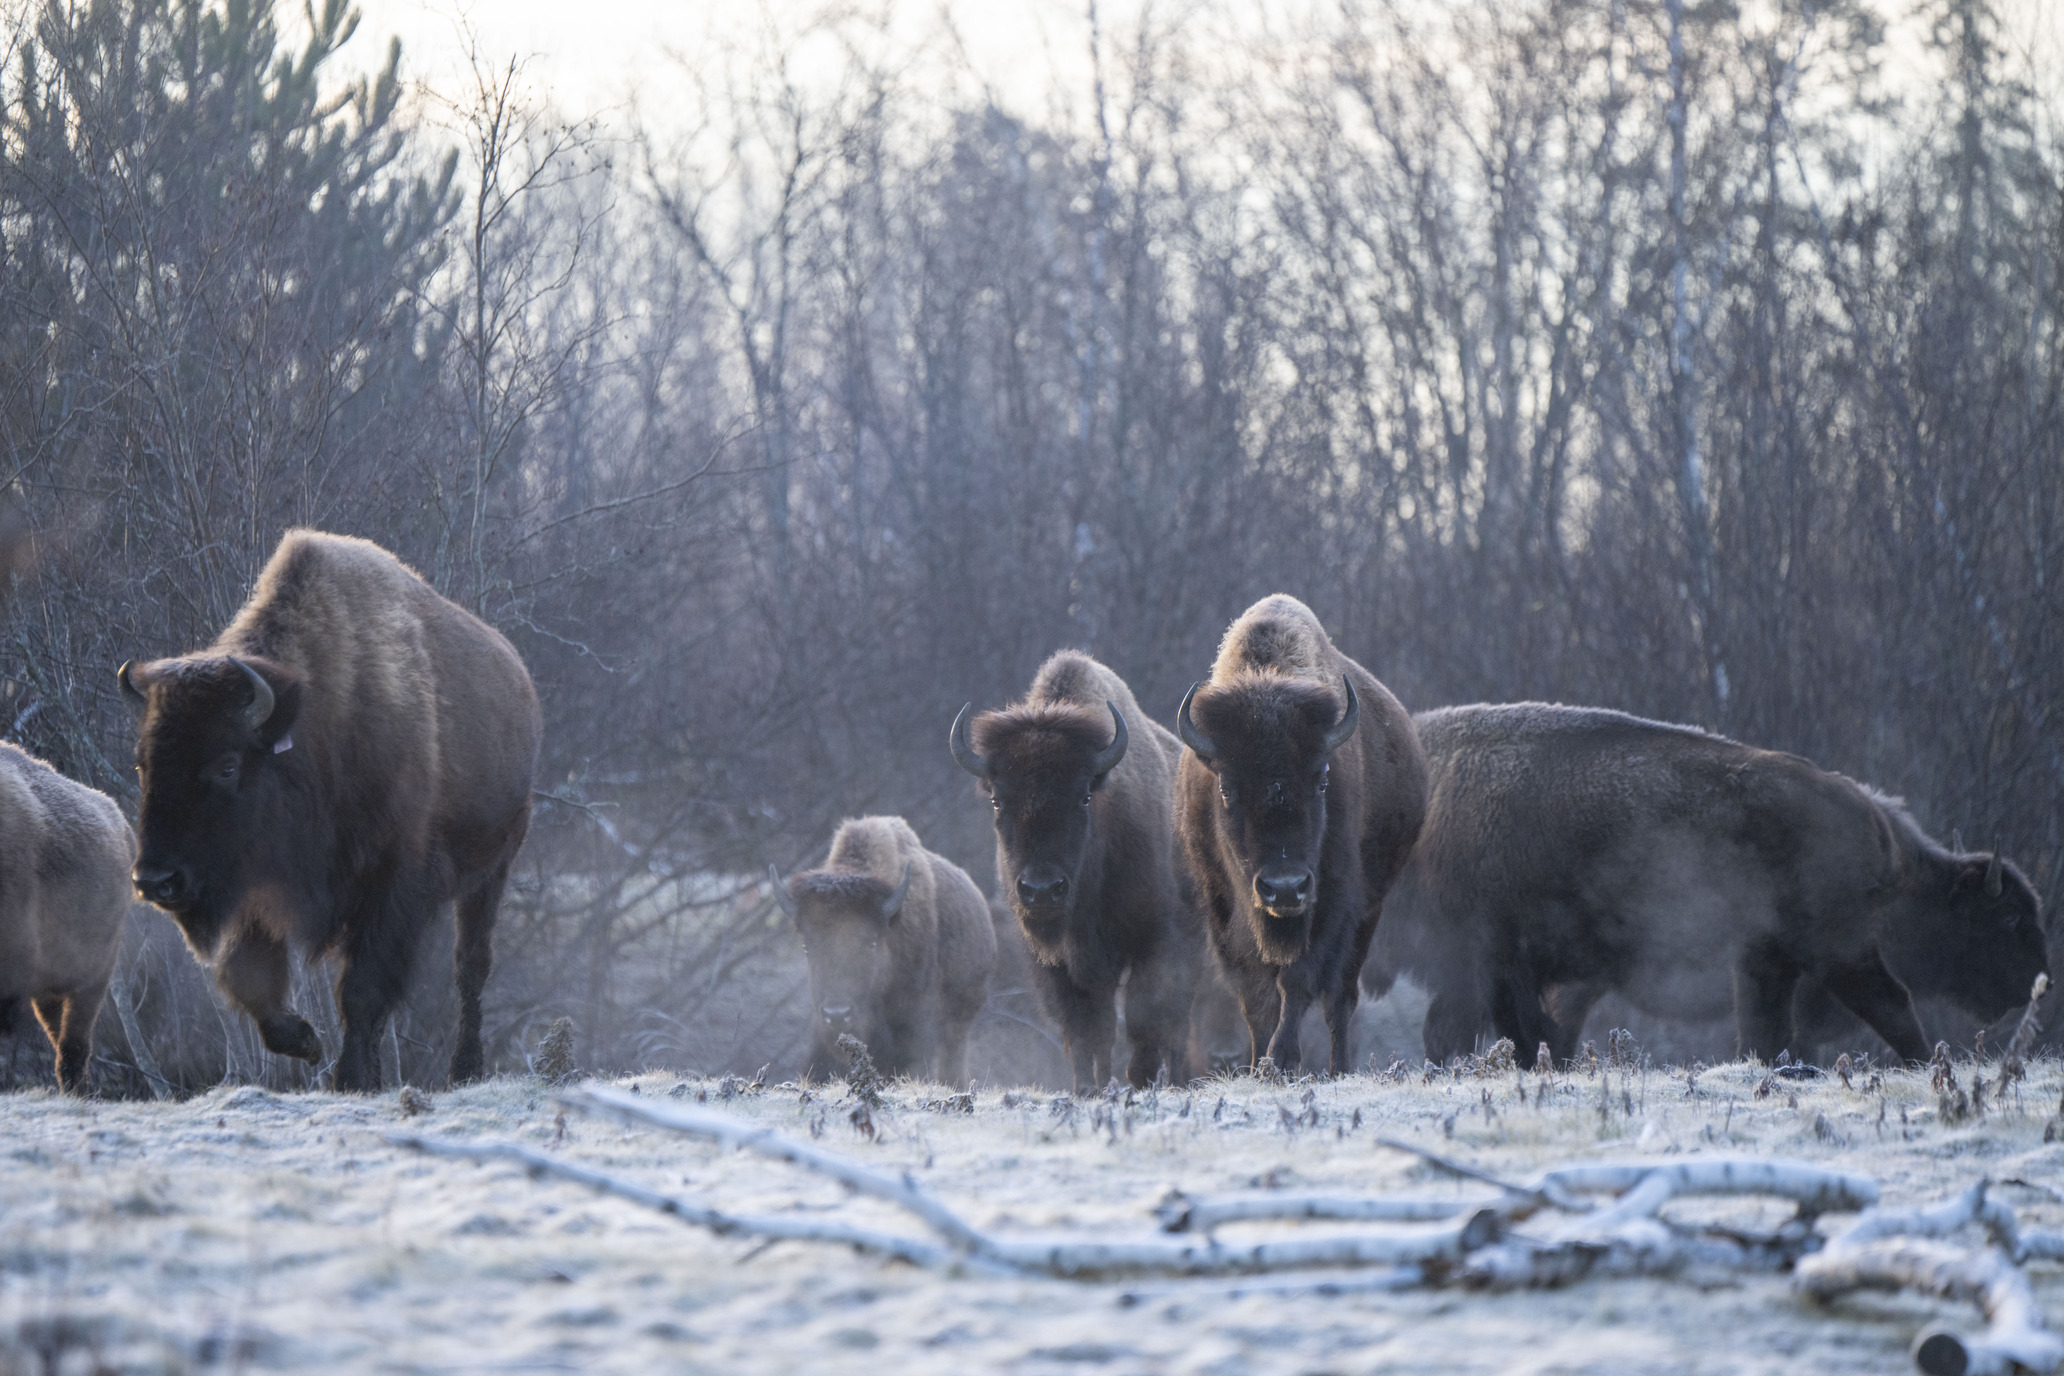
(225, 769)
(1086, 797)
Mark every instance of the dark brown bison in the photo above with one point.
(351, 753)
(1297, 805)
(1081, 785)
(64, 886)
(900, 951)
(1568, 852)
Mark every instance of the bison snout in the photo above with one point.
(1042, 888)
(1284, 895)
(837, 1016)
(166, 887)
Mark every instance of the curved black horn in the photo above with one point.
(964, 746)
(261, 696)
(1344, 729)
(893, 904)
(1995, 873)
(782, 896)
(131, 694)
(1107, 758)
(1187, 729)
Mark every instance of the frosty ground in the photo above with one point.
(249, 1230)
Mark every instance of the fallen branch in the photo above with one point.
(715, 1220)
(2014, 1335)
(1063, 1256)
(1181, 1213)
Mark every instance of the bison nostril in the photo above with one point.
(1038, 891)
(838, 1015)
(157, 885)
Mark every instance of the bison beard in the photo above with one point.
(1081, 787)
(352, 752)
(1296, 808)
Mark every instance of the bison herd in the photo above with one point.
(354, 751)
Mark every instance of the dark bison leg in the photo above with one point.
(68, 1021)
(1569, 1006)
(1763, 982)
(959, 1007)
(1294, 987)
(1089, 1026)
(253, 973)
(380, 948)
(1868, 990)
(1158, 994)
(1517, 1012)
(473, 938)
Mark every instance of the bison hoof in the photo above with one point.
(291, 1036)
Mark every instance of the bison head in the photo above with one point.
(1971, 931)
(844, 918)
(1269, 739)
(207, 762)
(1042, 766)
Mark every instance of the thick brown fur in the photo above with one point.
(412, 733)
(64, 887)
(1128, 916)
(1571, 851)
(1271, 797)
(909, 986)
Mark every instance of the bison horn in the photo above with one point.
(782, 896)
(1995, 873)
(893, 904)
(1107, 758)
(1344, 729)
(260, 709)
(964, 746)
(1187, 729)
(131, 694)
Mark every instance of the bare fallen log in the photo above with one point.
(1055, 1256)
(1988, 1278)
(1182, 1213)
(723, 1224)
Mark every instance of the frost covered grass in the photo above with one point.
(250, 1230)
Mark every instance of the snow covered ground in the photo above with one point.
(253, 1231)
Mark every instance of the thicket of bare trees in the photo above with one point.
(1639, 354)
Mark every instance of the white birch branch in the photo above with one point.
(1181, 1213)
(715, 1220)
(1056, 1256)
(2014, 1336)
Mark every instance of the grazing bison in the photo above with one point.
(351, 753)
(1296, 809)
(1568, 852)
(900, 951)
(64, 885)
(1082, 789)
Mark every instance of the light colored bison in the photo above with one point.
(900, 949)
(1081, 785)
(1571, 851)
(1298, 801)
(64, 886)
(351, 753)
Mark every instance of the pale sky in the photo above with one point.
(590, 56)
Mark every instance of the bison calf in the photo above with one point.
(1570, 851)
(1081, 786)
(900, 950)
(1297, 808)
(351, 753)
(64, 886)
